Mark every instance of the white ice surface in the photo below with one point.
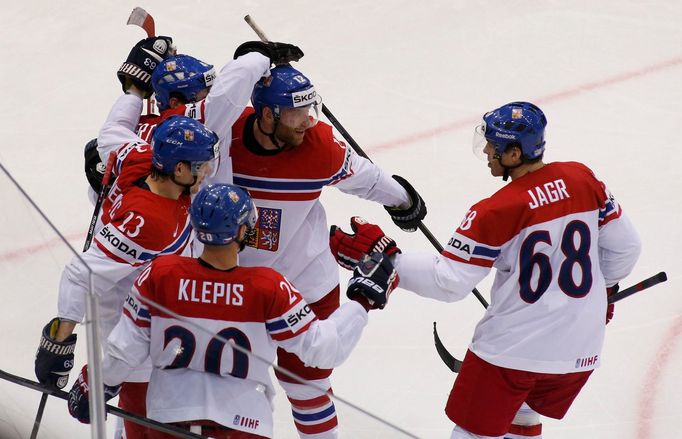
(408, 80)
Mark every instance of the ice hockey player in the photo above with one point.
(184, 85)
(284, 157)
(147, 216)
(560, 243)
(180, 305)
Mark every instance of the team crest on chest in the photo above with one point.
(265, 236)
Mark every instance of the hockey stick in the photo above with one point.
(140, 17)
(636, 288)
(106, 186)
(39, 416)
(455, 365)
(346, 135)
(141, 420)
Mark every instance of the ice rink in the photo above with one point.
(409, 80)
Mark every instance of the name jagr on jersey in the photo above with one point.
(548, 193)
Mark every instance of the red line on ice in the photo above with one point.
(28, 251)
(649, 394)
(469, 122)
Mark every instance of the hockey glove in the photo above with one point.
(141, 62)
(94, 168)
(611, 306)
(374, 278)
(54, 359)
(79, 396)
(279, 53)
(367, 238)
(408, 219)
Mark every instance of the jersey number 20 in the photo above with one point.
(573, 255)
(214, 350)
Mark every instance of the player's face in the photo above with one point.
(203, 93)
(292, 125)
(205, 169)
(496, 168)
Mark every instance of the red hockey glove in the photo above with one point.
(374, 278)
(367, 238)
(79, 396)
(610, 307)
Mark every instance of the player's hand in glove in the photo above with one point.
(279, 53)
(611, 306)
(408, 219)
(141, 62)
(54, 359)
(374, 278)
(367, 238)
(79, 396)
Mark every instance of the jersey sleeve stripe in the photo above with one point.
(276, 325)
(486, 252)
(139, 321)
(287, 333)
(473, 261)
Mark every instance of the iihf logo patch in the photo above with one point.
(265, 236)
(189, 135)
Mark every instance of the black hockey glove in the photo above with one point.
(54, 359)
(374, 278)
(79, 396)
(279, 53)
(408, 219)
(94, 168)
(141, 62)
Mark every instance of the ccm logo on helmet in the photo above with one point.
(303, 98)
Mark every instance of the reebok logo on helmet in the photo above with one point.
(505, 136)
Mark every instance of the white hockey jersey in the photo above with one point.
(557, 239)
(198, 377)
(292, 235)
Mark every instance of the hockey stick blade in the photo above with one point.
(451, 362)
(140, 17)
(636, 288)
(141, 420)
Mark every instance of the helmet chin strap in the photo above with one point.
(185, 185)
(507, 169)
(271, 135)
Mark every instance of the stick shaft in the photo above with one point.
(39, 416)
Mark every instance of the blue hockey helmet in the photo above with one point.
(286, 87)
(182, 139)
(217, 212)
(520, 123)
(181, 74)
